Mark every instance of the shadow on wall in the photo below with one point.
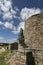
(30, 59)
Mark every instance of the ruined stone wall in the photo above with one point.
(34, 31)
(33, 34)
(19, 58)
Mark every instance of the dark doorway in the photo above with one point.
(30, 59)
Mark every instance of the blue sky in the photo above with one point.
(13, 14)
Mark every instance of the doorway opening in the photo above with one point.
(30, 59)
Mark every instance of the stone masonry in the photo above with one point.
(34, 37)
(18, 58)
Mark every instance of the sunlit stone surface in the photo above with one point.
(34, 37)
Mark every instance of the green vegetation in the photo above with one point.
(4, 57)
(3, 63)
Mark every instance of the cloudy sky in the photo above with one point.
(13, 14)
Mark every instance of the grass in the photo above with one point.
(3, 56)
(3, 63)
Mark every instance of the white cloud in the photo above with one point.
(5, 5)
(16, 8)
(7, 16)
(28, 12)
(13, 11)
(1, 23)
(3, 8)
(8, 11)
(21, 25)
(17, 30)
(8, 25)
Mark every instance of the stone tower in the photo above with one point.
(33, 34)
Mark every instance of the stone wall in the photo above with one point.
(18, 59)
(34, 37)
